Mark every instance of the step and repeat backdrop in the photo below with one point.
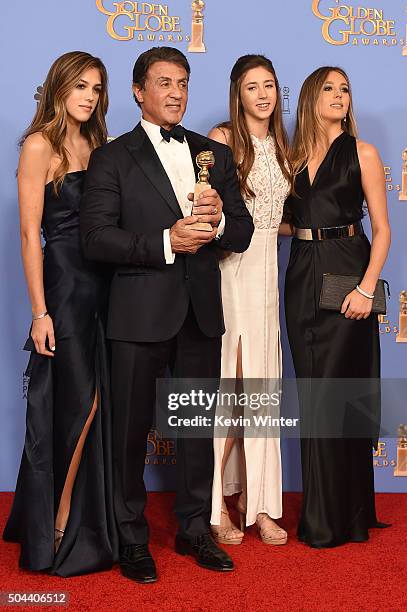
(367, 39)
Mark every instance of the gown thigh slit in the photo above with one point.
(337, 473)
(60, 399)
(66, 495)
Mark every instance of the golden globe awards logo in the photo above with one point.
(356, 26)
(160, 451)
(150, 22)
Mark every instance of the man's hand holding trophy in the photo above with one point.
(206, 209)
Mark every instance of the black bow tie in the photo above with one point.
(177, 132)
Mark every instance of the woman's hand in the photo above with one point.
(356, 306)
(41, 330)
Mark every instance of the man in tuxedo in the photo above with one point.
(165, 306)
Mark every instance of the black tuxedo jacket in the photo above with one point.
(127, 203)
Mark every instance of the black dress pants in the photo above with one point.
(135, 368)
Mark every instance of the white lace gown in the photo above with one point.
(251, 311)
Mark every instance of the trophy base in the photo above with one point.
(403, 196)
(400, 472)
(196, 48)
(404, 52)
(400, 339)
(203, 227)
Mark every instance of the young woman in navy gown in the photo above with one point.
(62, 514)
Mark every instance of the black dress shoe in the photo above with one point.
(205, 551)
(137, 563)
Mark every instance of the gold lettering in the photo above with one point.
(375, 42)
(162, 447)
(381, 450)
(111, 29)
(151, 37)
(364, 27)
(348, 11)
(316, 11)
(167, 24)
(387, 174)
(101, 8)
(147, 9)
(326, 32)
(149, 21)
(365, 41)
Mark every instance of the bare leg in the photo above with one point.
(242, 502)
(65, 501)
(226, 532)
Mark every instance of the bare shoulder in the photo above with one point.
(367, 152)
(220, 134)
(35, 145)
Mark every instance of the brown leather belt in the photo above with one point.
(323, 233)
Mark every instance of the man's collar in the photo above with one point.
(153, 131)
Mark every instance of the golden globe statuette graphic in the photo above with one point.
(401, 467)
(286, 100)
(403, 191)
(205, 160)
(197, 44)
(402, 335)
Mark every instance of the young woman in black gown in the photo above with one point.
(62, 513)
(334, 174)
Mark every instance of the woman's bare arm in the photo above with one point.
(33, 169)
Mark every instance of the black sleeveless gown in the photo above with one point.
(338, 488)
(61, 393)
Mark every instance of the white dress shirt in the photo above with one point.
(177, 162)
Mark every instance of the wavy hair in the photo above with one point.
(240, 140)
(309, 129)
(51, 116)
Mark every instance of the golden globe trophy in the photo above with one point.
(205, 160)
(197, 44)
(402, 335)
(403, 192)
(401, 466)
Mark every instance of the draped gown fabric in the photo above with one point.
(251, 310)
(61, 393)
(338, 490)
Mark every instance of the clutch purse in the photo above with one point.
(335, 287)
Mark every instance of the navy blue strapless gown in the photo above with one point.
(61, 393)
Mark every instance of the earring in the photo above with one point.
(344, 119)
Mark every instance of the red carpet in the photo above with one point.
(369, 576)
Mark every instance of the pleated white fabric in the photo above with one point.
(251, 310)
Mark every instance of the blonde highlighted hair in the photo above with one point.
(240, 140)
(51, 116)
(309, 129)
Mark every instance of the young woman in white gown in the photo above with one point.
(251, 345)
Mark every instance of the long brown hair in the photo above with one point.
(51, 116)
(240, 140)
(309, 129)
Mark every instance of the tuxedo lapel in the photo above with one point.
(147, 159)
